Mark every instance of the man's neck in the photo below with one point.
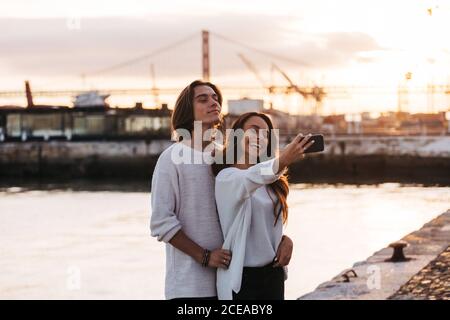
(198, 143)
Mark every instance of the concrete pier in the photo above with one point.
(377, 278)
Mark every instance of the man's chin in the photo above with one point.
(214, 120)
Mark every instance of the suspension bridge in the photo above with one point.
(315, 93)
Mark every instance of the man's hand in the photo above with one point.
(284, 252)
(218, 258)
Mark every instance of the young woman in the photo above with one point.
(252, 207)
(184, 213)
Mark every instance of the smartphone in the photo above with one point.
(318, 144)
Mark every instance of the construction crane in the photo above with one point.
(253, 69)
(316, 92)
(292, 86)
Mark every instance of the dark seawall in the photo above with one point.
(372, 169)
(135, 160)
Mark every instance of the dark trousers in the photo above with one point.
(261, 283)
(200, 298)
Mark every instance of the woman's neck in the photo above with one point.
(242, 166)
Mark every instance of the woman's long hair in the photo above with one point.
(279, 187)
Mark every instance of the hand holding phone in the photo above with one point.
(318, 144)
(297, 148)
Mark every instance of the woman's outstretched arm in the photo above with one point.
(243, 182)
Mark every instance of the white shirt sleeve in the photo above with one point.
(164, 223)
(242, 183)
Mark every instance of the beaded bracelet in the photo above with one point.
(205, 259)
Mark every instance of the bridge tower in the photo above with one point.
(205, 55)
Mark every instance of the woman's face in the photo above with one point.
(206, 106)
(256, 138)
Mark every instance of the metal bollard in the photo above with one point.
(398, 255)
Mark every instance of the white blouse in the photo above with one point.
(246, 214)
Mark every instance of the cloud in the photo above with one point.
(48, 47)
(333, 49)
(351, 42)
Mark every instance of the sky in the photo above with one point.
(330, 43)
